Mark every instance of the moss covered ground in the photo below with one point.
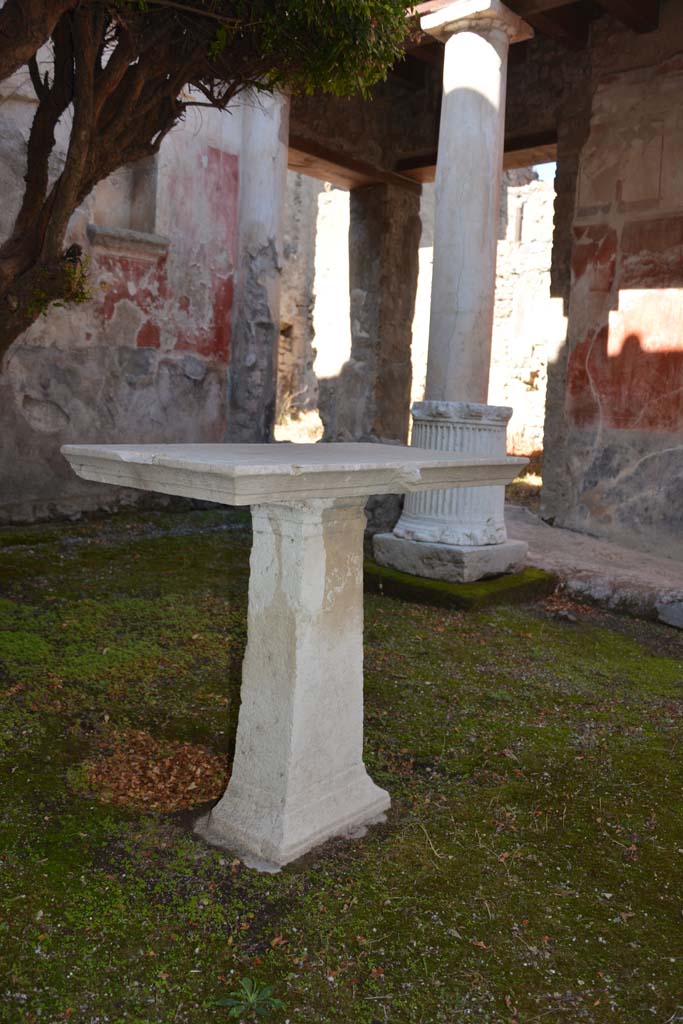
(530, 868)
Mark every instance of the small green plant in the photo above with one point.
(253, 998)
(76, 287)
(68, 284)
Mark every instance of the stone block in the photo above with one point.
(457, 564)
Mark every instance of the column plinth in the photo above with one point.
(298, 776)
(456, 534)
(463, 515)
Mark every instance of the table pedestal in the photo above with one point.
(298, 776)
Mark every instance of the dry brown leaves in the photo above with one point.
(135, 770)
(560, 605)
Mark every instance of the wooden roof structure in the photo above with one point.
(565, 21)
(569, 20)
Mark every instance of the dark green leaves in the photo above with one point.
(252, 998)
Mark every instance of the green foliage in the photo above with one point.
(340, 46)
(76, 285)
(253, 998)
(66, 285)
(219, 43)
(337, 46)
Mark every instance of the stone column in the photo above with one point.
(461, 535)
(252, 377)
(298, 776)
(370, 399)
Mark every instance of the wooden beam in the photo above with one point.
(428, 51)
(545, 153)
(522, 151)
(307, 157)
(530, 7)
(555, 17)
(566, 20)
(640, 15)
(569, 23)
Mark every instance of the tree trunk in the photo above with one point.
(32, 294)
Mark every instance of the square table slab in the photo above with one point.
(298, 776)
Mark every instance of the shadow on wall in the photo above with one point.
(623, 416)
(631, 388)
(614, 426)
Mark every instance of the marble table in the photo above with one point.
(298, 777)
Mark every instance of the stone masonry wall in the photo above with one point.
(297, 384)
(370, 397)
(252, 373)
(614, 442)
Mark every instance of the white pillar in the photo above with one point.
(252, 374)
(298, 776)
(460, 535)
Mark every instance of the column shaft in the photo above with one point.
(468, 176)
(252, 376)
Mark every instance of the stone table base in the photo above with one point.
(454, 563)
(298, 777)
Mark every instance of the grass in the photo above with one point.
(529, 869)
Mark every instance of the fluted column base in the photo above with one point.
(458, 534)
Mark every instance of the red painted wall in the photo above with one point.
(627, 372)
(186, 296)
(625, 368)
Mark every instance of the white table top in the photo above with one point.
(248, 474)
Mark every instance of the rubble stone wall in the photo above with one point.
(297, 384)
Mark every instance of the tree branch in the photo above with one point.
(67, 188)
(25, 242)
(41, 88)
(25, 26)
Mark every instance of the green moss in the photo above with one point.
(529, 868)
(517, 587)
(19, 650)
